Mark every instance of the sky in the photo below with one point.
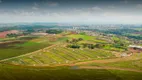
(72, 11)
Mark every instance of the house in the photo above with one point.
(135, 49)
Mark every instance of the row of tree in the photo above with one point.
(12, 35)
(74, 40)
(86, 45)
(53, 31)
(92, 46)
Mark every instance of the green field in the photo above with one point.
(48, 57)
(19, 49)
(26, 45)
(133, 62)
(8, 72)
(60, 55)
(85, 37)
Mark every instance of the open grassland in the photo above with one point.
(133, 64)
(55, 61)
(129, 63)
(9, 72)
(58, 54)
(113, 44)
(85, 37)
(26, 45)
(16, 49)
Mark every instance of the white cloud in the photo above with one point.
(23, 13)
(35, 8)
(111, 14)
(139, 6)
(96, 8)
(75, 15)
(52, 4)
(35, 4)
(111, 6)
(122, 18)
(124, 1)
(0, 1)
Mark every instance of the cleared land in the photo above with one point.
(69, 63)
(59, 55)
(26, 45)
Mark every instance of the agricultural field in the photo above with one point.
(133, 62)
(69, 56)
(70, 39)
(24, 45)
(86, 38)
(57, 54)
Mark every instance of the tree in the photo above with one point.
(74, 46)
(12, 35)
(67, 41)
(84, 45)
(54, 31)
(74, 40)
(91, 46)
(80, 39)
(99, 45)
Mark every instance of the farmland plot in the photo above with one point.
(60, 55)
